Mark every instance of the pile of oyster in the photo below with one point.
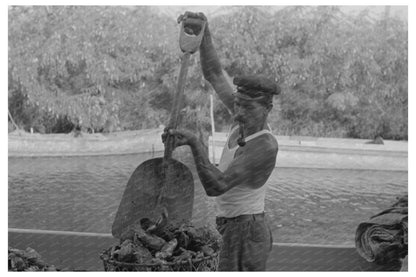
(149, 243)
(27, 260)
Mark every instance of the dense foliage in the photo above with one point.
(107, 69)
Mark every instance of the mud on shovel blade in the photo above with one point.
(160, 183)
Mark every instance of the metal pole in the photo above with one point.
(212, 127)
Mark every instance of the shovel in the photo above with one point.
(163, 185)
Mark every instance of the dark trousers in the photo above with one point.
(247, 242)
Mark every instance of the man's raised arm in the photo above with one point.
(213, 72)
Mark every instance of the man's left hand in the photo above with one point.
(182, 137)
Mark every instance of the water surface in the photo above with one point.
(304, 205)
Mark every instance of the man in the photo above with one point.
(246, 163)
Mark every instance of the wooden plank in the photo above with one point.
(70, 251)
(321, 258)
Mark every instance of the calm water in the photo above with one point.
(304, 205)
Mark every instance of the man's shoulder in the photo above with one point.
(260, 153)
(266, 140)
(263, 145)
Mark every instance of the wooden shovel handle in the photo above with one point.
(189, 44)
(177, 104)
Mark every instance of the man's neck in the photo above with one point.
(254, 129)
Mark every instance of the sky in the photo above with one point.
(399, 11)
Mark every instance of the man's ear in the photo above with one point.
(267, 110)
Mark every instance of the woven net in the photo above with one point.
(202, 264)
(198, 252)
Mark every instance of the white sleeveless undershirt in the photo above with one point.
(240, 199)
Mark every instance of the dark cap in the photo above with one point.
(256, 85)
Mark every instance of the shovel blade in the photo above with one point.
(148, 181)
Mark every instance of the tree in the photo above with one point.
(340, 75)
(115, 68)
(79, 61)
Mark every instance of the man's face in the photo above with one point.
(250, 113)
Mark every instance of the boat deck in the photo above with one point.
(71, 251)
